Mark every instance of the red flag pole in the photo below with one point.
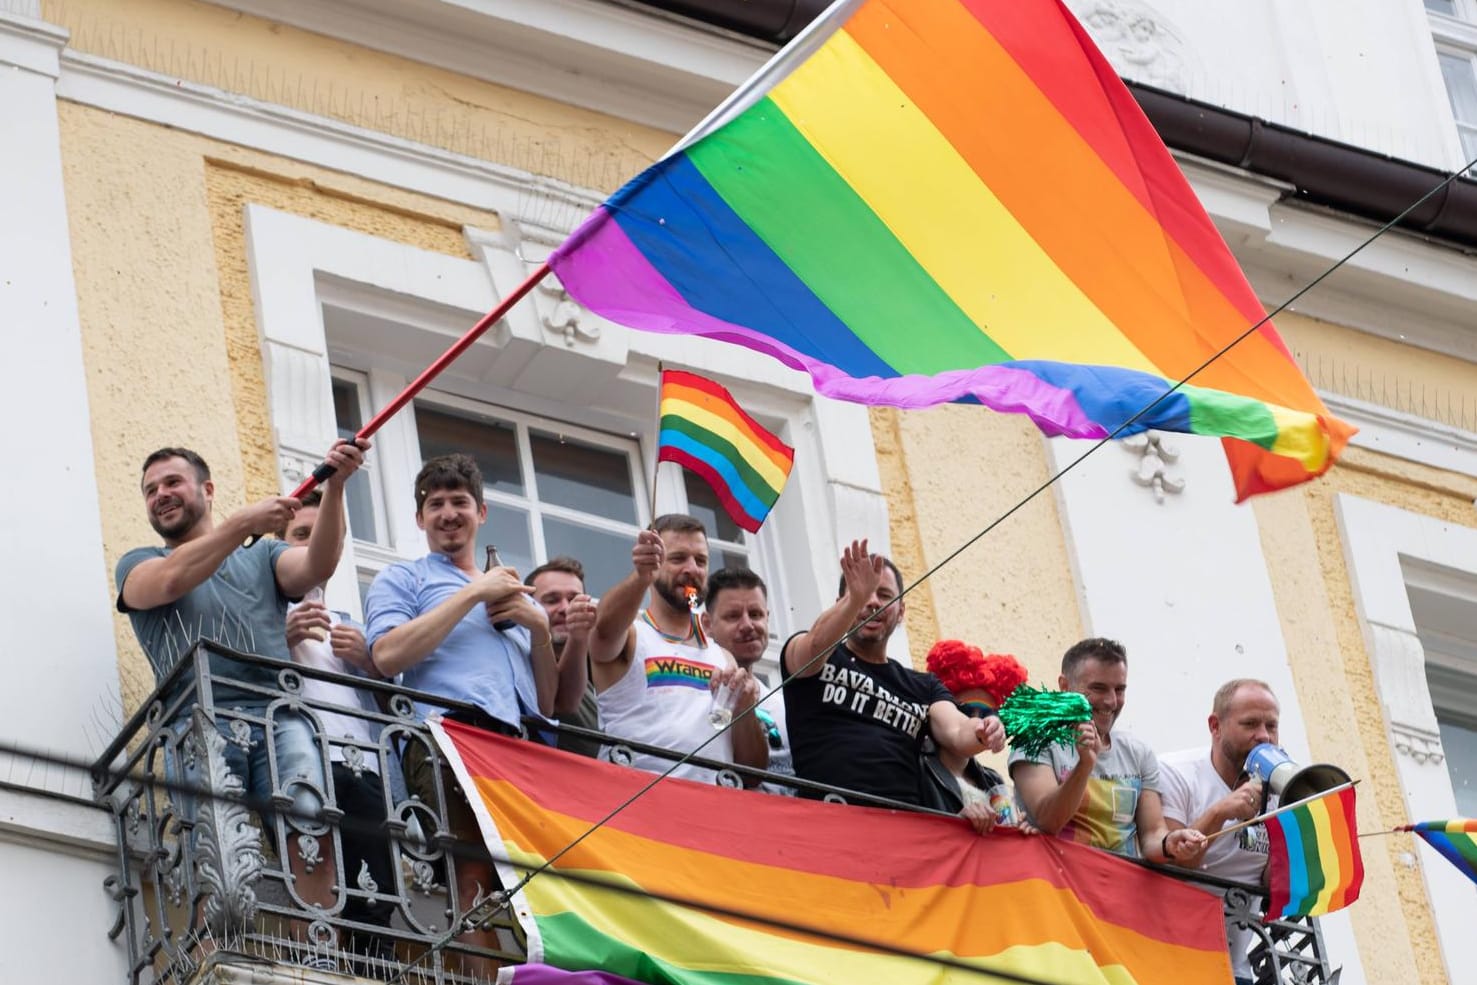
(324, 470)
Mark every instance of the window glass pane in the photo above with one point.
(507, 527)
(1469, 144)
(725, 557)
(1459, 742)
(493, 444)
(605, 555)
(1461, 86)
(356, 492)
(583, 477)
(703, 503)
(1442, 6)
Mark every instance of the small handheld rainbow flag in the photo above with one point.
(1314, 866)
(704, 429)
(1456, 840)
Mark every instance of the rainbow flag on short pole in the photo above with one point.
(923, 201)
(696, 884)
(704, 429)
(1455, 840)
(1314, 866)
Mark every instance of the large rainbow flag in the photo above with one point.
(704, 429)
(695, 884)
(1313, 861)
(1456, 840)
(959, 200)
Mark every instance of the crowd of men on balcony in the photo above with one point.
(649, 663)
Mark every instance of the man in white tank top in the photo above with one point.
(655, 670)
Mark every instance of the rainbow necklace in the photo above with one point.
(694, 630)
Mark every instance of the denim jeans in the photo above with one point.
(295, 747)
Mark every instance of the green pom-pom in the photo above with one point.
(1036, 719)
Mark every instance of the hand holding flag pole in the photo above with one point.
(1280, 810)
(324, 469)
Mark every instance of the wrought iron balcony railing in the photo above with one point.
(208, 872)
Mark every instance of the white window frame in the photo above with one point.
(1385, 546)
(1456, 35)
(545, 359)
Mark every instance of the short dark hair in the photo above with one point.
(564, 563)
(202, 471)
(313, 497)
(678, 523)
(1094, 648)
(454, 471)
(897, 576)
(733, 579)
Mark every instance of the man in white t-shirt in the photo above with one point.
(1207, 789)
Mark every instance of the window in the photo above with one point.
(362, 491)
(1447, 625)
(1457, 70)
(1454, 25)
(551, 487)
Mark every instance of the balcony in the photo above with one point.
(214, 884)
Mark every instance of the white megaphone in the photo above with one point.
(1289, 781)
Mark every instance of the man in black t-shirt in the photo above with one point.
(856, 718)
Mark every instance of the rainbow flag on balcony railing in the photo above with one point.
(958, 200)
(702, 885)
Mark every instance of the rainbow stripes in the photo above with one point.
(704, 429)
(677, 672)
(1455, 840)
(958, 200)
(731, 887)
(1314, 866)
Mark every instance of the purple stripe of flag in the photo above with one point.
(542, 974)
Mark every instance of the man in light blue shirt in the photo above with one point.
(434, 622)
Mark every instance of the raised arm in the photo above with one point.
(574, 659)
(300, 570)
(613, 637)
(961, 734)
(862, 572)
(1051, 804)
(160, 581)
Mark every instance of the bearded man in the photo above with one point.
(655, 669)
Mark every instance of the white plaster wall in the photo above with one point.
(1359, 71)
(54, 918)
(56, 634)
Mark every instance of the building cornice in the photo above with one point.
(649, 68)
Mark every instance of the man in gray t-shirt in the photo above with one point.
(203, 584)
(1104, 792)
